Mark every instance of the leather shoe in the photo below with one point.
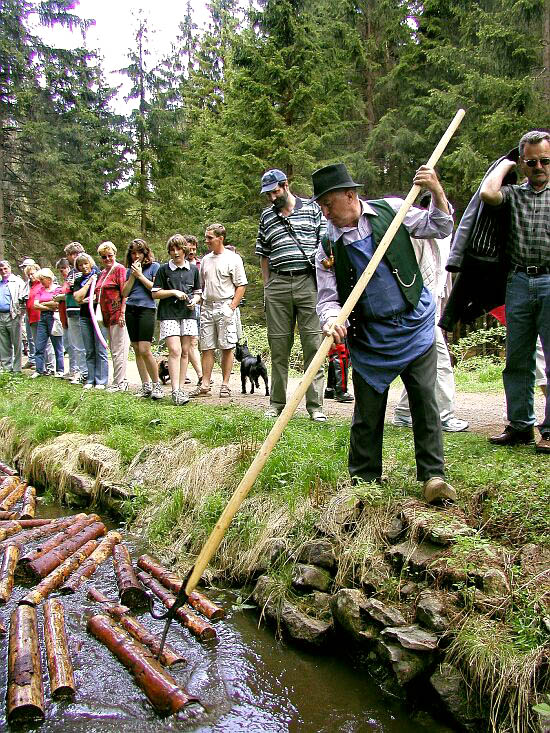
(438, 491)
(513, 437)
(343, 397)
(543, 446)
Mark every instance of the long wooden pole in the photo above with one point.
(263, 454)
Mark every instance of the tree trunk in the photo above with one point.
(29, 503)
(8, 529)
(31, 535)
(130, 591)
(88, 568)
(173, 582)
(60, 667)
(13, 498)
(25, 523)
(8, 515)
(10, 556)
(162, 690)
(45, 564)
(25, 697)
(9, 484)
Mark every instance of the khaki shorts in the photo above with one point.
(217, 331)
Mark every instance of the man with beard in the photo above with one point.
(289, 233)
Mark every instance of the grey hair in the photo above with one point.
(532, 138)
(5, 262)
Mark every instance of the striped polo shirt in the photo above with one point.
(277, 235)
(529, 236)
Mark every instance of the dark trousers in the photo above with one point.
(367, 426)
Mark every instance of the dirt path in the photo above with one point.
(484, 411)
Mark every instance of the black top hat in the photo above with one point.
(331, 177)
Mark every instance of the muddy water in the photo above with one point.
(246, 680)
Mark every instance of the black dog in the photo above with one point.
(164, 374)
(252, 367)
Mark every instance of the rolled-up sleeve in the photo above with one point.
(425, 224)
(328, 305)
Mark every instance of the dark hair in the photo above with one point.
(139, 245)
(191, 239)
(63, 262)
(179, 241)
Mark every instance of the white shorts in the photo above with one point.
(183, 327)
(217, 331)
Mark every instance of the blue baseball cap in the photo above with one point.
(271, 179)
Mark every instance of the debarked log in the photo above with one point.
(36, 533)
(8, 561)
(44, 564)
(25, 696)
(13, 497)
(196, 625)
(173, 582)
(69, 530)
(25, 523)
(162, 690)
(29, 503)
(8, 515)
(8, 529)
(89, 566)
(60, 667)
(9, 484)
(169, 656)
(7, 470)
(56, 578)
(130, 591)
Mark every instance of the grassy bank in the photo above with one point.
(185, 463)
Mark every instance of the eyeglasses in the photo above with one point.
(106, 257)
(532, 162)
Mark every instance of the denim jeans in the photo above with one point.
(30, 339)
(49, 357)
(43, 333)
(527, 315)
(96, 354)
(77, 344)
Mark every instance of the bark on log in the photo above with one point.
(29, 503)
(13, 497)
(60, 667)
(8, 515)
(8, 485)
(26, 523)
(173, 582)
(88, 568)
(31, 535)
(25, 697)
(8, 561)
(7, 470)
(169, 656)
(8, 529)
(196, 625)
(162, 690)
(44, 564)
(130, 591)
(2, 628)
(58, 576)
(69, 529)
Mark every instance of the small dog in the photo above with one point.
(252, 367)
(164, 374)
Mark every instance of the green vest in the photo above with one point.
(399, 255)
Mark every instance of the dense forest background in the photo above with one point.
(278, 83)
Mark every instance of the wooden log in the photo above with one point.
(60, 667)
(56, 578)
(13, 497)
(169, 656)
(7, 470)
(8, 515)
(25, 696)
(8, 561)
(196, 625)
(67, 529)
(26, 523)
(29, 503)
(173, 582)
(44, 564)
(88, 568)
(31, 535)
(130, 591)
(8, 485)
(161, 689)
(2, 628)
(8, 529)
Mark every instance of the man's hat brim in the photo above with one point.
(331, 178)
(349, 184)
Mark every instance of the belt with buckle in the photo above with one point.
(532, 270)
(291, 273)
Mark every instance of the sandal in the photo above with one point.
(225, 391)
(200, 392)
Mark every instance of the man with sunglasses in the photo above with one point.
(528, 285)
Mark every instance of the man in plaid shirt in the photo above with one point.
(528, 285)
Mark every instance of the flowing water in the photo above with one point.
(246, 680)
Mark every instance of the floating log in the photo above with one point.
(8, 485)
(173, 582)
(25, 697)
(88, 568)
(162, 690)
(169, 656)
(67, 529)
(8, 515)
(60, 667)
(31, 535)
(26, 523)
(29, 503)
(7, 470)
(56, 578)
(13, 497)
(196, 625)
(8, 561)
(130, 591)
(44, 564)
(8, 529)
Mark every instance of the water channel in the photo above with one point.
(246, 679)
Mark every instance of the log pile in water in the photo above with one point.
(162, 690)
(129, 588)
(66, 532)
(25, 523)
(13, 497)
(25, 696)
(36, 533)
(89, 566)
(173, 582)
(196, 625)
(29, 503)
(9, 484)
(8, 515)
(8, 529)
(60, 667)
(7, 470)
(8, 561)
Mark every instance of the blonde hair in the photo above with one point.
(83, 257)
(31, 268)
(217, 229)
(104, 247)
(45, 272)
